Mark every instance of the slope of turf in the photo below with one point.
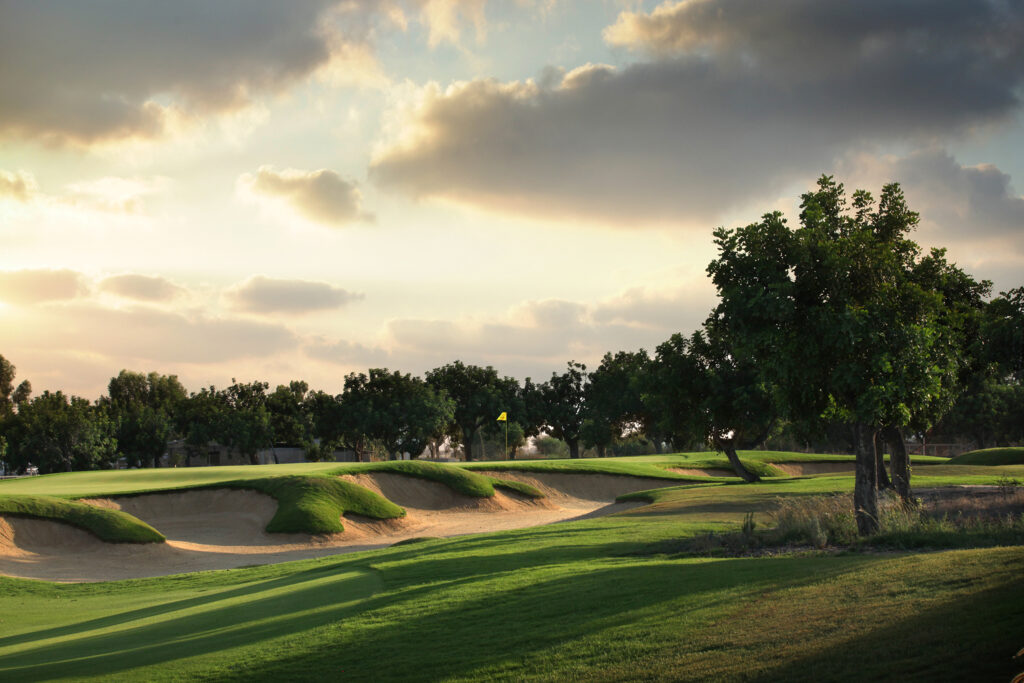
(991, 456)
(314, 505)
(112, 526)
(565, 602)
(613, 466)
(117, 482)
(460, 481)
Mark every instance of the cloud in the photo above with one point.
(18, 185)
(539, 335)
(346, 353)
(27, 287)
(715, 122)
(267, 295)
(321, 196)
(147, 335)
(87, 72)
(113, 194)
(444, 19)
(141, 287)
(957, 203)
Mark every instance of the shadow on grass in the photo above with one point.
(210, 623)
(513, 618)
(972, 638)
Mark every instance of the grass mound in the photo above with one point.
(991, 456)
(519, 487)
(112, 526)
(456, 478)
(759, 467)
(314, 505)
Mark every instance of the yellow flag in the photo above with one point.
(502, 418)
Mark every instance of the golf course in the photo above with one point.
(661, 567)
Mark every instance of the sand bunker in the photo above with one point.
(703, 472)
(801, 469)
(574, 490)
(224, 528)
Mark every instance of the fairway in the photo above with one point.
(588, 599)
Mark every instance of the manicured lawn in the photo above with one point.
(991, 456)
(573, 601)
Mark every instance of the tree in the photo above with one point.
(7, 374)
(479, 396)
(703, 392)
(246, 425)
(143, 408)
(1003, 333)
(614, 399)
(564, 404)
(200, 419)
(290, 422)
(833, 316)
(399, 412)
(60, 434)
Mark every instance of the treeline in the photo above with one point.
(838, 335)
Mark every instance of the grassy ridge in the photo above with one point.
(459, 479)
(610, 466)
(314, 505)
(112, 526)
(455, 478)
(991, 456)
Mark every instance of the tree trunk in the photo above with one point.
(865, 495)
(483, 446)
(899, 462)
(467, 443)
(274, 452)
(729, 447)
(882, 477)
(600, 450)
(574, 447)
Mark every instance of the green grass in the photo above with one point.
(614, 466)
(112, 526)
(314, 505)
(117, 482)
(455, 478)
(991, 456)
(571, 601)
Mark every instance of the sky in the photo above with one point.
(271, 191)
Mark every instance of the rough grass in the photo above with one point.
(112, 526)
(314, 505)
(991, 456)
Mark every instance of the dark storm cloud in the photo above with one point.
(957, 203)
(90, 71)
(731, 111)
